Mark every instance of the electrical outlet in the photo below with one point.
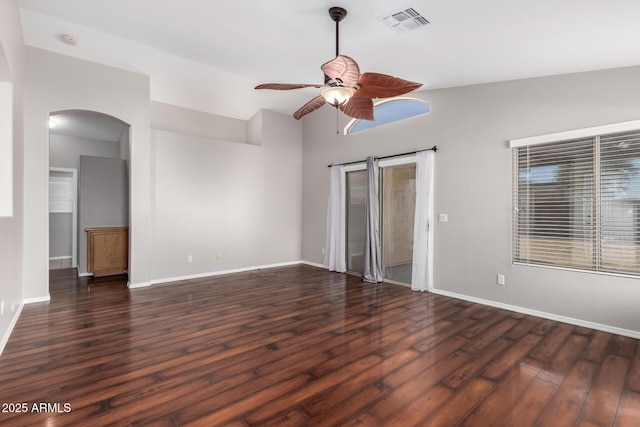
(190, 258)
(501, 279)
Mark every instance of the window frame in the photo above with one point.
(348, 129)
(558, 138)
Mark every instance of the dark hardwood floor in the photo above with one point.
(299, 346)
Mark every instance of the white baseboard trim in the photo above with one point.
(55, 258)
(12, 324)
(543, 314)
(313, 264)
(138, 285)
(46, 298)
(85, 274)
(221, 272)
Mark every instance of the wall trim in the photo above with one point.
(138, 285)
(46, 298)
(313, 264)
(54, 258)
(576, 133)
(543, 314)
(221, 272)
(12, 324)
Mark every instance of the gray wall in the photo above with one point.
(60, 235)
(103, 198)
(65, 152)
(471, 126)
(62, 83)
(172, 118)
(11, 228)
(239, 200)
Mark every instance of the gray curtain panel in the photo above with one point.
(372, 270)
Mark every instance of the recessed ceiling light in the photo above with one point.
(69, 39)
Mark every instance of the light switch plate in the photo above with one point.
(443, 218)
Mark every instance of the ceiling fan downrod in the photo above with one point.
(337, 14)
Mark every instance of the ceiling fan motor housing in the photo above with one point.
(337, 14)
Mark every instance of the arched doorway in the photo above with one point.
(88, 182)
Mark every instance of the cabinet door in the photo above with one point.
(108, 251)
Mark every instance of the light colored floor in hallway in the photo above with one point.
(57, 264)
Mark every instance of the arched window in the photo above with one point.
(389, 111)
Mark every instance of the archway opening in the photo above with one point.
(88, 183)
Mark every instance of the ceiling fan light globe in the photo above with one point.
(337, 95)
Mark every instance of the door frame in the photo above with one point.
(74, 211)
(383, 163)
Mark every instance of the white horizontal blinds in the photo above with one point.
(554, 204)
(577, 203)
(620, 202)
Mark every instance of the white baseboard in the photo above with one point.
(12, 324)
(55, 258)
(543, 314)
(46, 298)
(138, 285)
(313, 264)
(221, 272)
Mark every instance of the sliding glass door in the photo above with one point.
(356, 183)
(397, 210)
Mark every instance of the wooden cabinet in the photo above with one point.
(107, 250)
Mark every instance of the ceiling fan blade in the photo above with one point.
(309, 107)
(359, 107)
(376, 85)
(344, 68)
(286, 86)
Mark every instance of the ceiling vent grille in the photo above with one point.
(406, 19)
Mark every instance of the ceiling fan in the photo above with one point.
(344, 86)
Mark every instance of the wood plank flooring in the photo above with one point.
(299, 346)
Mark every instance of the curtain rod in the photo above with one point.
(434, 149)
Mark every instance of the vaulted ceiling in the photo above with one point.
(209, 55)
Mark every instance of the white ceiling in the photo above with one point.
(209, 55)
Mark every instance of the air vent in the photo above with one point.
(409, 18)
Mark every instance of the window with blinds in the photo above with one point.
(577, 203)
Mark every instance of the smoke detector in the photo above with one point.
(405, 19)
(69, 39)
